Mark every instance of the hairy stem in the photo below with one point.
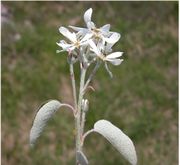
(83, 120)
(73, 82)
(78, 115)
(73, 85)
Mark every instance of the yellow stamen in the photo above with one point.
(77, 44)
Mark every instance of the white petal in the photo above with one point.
(86, 37)
(87, 15)
(76, 28)
(41, 119)
(100, 45)
(59, 51)
(105, 28)
(113, 38)
(108, 48)
(64, 46)
(94, 47)
(91, 25)
(115, 61)
(114, 55)
(65, 32)
(81, 31)
(118, 139)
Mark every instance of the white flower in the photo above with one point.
(114, 37)
(113, 58)
(102, 33)
(75, 41)
(91, 43)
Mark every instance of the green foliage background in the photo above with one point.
(141, 99)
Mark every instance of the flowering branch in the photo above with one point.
(86, 46)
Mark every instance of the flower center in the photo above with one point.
(77, 44)
(102, 57)
(96, 33)
(96, 30)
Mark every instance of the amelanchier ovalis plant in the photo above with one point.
(86, 46)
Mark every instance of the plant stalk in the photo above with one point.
(83, 120)
(78, 114)
(73, 82)
(73, 85)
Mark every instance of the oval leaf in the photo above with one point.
(118, 139)
(43, 115)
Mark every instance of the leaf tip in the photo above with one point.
(118, 139)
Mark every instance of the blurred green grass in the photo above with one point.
(141, 99)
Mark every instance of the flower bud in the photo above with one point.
(85, 105)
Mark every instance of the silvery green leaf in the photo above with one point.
(118, 139)
(44, 113)
(82, 160)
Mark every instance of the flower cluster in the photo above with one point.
(90, 44)
(87, 46)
